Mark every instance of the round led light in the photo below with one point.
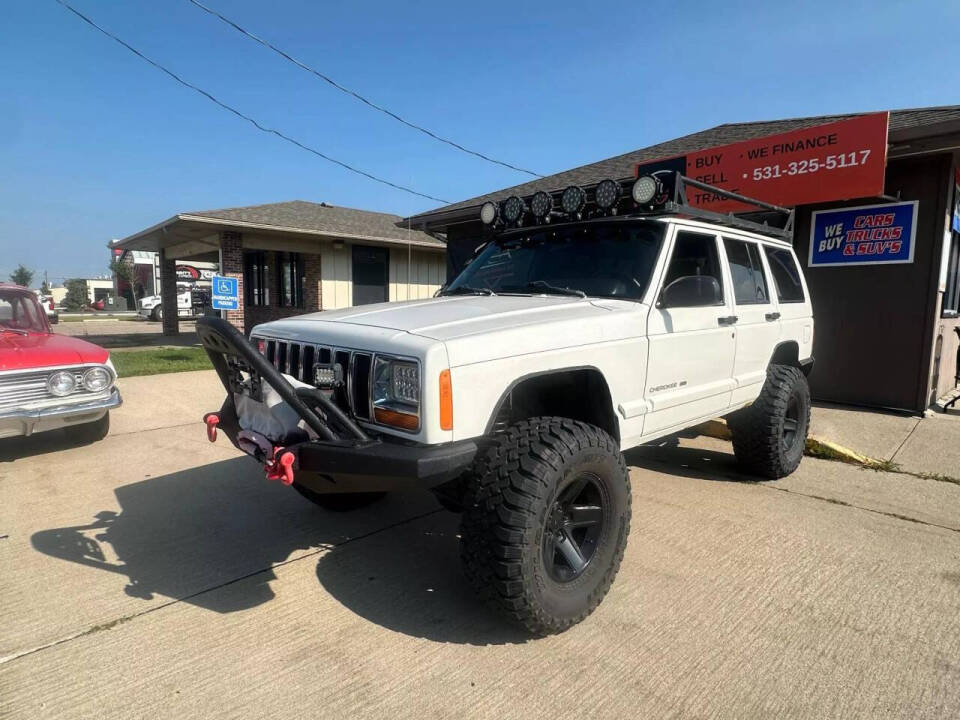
(488, 213)
(607, 193)
(541, 204)
(573, 199)
(96, 379)
(512, 208)
(61, 383)
(645, 189)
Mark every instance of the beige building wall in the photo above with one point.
(426, 274)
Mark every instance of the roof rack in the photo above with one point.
(680, 206)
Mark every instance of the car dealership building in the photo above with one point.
(294, 257)
(877, 228)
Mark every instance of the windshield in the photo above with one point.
(609, 260)
(21, 313)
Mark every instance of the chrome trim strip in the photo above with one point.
(108, 403)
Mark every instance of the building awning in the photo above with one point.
(197, 234)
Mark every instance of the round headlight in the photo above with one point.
(488, 213)
(645, 189)
(96, 379)
(61, 383)
(573, 199)
(512, 208)
(541, 204)
(608, 192)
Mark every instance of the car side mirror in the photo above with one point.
(691, 291)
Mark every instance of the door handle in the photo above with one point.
(727, 320)
(772, 316)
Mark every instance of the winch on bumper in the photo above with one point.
(342, 458)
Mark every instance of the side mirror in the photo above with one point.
(692, 291)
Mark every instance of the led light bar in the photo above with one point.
(607, 193)
(541, 204)
(573, 199)
(513, 208)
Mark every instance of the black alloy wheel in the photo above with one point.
(575, 523)
(791, 423)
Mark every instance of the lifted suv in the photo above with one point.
(514, 392)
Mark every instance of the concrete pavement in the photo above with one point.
(156, 575)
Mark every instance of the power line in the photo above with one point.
(242, 116)
(360, 97)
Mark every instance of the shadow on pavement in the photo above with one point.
(185, 534)
(410, 581)
(16, 448)
(668, 455)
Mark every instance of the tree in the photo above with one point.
(76, 297)
(126, 274)
(44, 288)
(22, 276)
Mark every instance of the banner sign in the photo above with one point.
(836, 161)
(191, 273)
(866, 235)
(225, 295)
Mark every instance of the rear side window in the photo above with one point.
(786, 275)
(746, 269)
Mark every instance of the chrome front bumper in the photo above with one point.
(19, 422)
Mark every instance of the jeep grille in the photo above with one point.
(297, 359)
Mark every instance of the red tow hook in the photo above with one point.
(212, 420)
(281, 466)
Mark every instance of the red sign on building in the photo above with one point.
(836, 161)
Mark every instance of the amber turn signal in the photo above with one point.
(402, 420)
(446, 401)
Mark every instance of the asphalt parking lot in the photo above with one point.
(156, 575)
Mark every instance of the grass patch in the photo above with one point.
(77, 318)
(162, 360)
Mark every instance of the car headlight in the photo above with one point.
(96, 379)
(61, 383)
(396, 393)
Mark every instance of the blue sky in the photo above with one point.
(95, 144)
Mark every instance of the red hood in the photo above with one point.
(22, 352)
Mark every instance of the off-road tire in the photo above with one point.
(511, 488)
(758, 431)
(92, 432)
(338, 502)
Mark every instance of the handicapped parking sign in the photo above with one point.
(225, 294)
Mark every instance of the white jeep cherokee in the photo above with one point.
(513, 393)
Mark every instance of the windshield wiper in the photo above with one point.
(18, 331)
(545, 287)
(468, 290)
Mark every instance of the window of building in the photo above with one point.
(255, 275)
(746, 270)
(290, 279)
(951, 297)
(695, 254)
(786, 275)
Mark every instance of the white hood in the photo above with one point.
(479, 328)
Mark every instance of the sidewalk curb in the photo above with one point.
(816, 446)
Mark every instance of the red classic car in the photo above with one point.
(50, 381)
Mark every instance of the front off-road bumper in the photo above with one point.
(373, 465)
(343, 458)
(28, 421)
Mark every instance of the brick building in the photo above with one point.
(296, 257)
